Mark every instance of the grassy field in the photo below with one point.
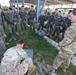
(41, 46)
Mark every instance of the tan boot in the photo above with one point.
(6, 43)
(50, 68)
(63, 68)
(31, 71)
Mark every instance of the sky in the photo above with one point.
(4, 2)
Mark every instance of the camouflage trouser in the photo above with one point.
(2, 47)
(8, 68)
(11, 29)
(63, 58)
(41, 26)
(32, 25)
(16, 27)
(23, 24)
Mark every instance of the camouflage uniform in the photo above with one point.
(31, 17)
(1, 20)
(10, 21)
(59, 26)
(16, 19)
(68, 48)
(23, 16)
(2, 41)
(16, 62)
(2, 17)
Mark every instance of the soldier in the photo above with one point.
(23, 18)
(67, 45)
(68, 21)
(59, 25)
(10, 21)
(2, 35)
(2, 41)
(31, 17)
(42, 19)
(16, 61)
(2, 18)
(49, 23)
(16, 19)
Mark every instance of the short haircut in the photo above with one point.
(13, 6)
(74, 11)
(20, 41)
(22, 6)
(32, 6)
(10, 8)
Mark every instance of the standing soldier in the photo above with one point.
(59, 25)
(67, 45)
(49, 23)
(16, 19)
(23, 18)
(10, 21)
(31, 17)
(2, 36)
(42, 19)
(2, 41)
(3, 17)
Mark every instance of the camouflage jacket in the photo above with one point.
(14, 55)
(1, 31)
(9, 17)
(16, 16)
(69, 41)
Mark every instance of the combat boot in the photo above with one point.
(17, 33)
(63, 68)
(13, 37)
(10, 39)
(6, 43)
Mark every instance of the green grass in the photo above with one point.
(41, 46)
